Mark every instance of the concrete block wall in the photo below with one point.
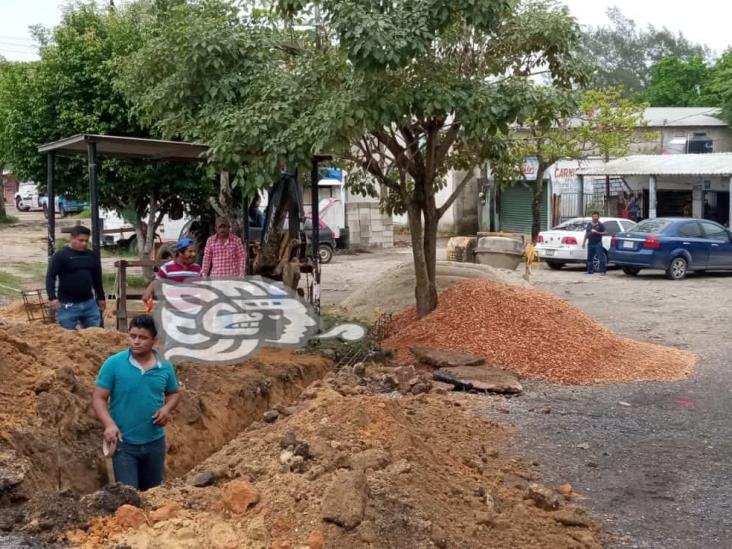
(368, 226)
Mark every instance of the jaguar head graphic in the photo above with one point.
(226, 320)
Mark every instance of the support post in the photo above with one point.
(314, 210)
(94, 200)
(549, 204)
(581, 196)
(652, 197)
(245, 222)
(729, 213)
(122, 318)
(51, 202)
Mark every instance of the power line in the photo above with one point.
(11, 45)
(17, 38)
(13, 50)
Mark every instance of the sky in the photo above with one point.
(706, 22)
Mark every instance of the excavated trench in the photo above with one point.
(50, 442)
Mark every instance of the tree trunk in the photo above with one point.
(146, 236)
(141, 236)
(536, 198)
(3, 213)
(424, 251)
(224, 206)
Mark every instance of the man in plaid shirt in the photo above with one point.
(224, 255)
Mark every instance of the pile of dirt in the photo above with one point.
(50, 441)
(350, 468)
(15, 311)
(534, 334)
(393, 290)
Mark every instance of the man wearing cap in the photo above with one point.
(224, 255)
(181, 268)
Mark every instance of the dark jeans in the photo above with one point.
(85, 313)
(592, 251)
(140, 465)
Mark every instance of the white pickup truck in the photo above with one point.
(118, 232)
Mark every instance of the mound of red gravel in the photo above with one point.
(534, 334)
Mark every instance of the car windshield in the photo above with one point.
(573, 225)
(651, 226)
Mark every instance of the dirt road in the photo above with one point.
(652, 459)
(24, 257)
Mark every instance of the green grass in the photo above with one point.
(8, 220)
(133, 281)
(119, 252)
(35, 270)
(337, 348)
(9, 281)
(83, 214)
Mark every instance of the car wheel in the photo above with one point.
(677, 269)
(325, 253)
(19, 204)
(555, 265)
(631, 271)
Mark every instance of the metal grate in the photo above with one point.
(359, 353)
(37, 307)
(380, 331)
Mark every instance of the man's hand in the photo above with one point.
(55, 304)
(148, 295)
(112, 434)
(102, 304)
(162, 416)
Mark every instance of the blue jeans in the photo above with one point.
(592, 251)
(85, 313)
(140, 465)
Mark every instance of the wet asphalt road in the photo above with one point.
(656, 469)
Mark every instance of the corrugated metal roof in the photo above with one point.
(665, 164)
(658, 117)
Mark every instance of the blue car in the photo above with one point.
(675, 245)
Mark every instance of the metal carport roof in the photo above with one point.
(665, 164)
(128, 147)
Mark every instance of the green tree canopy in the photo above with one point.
(69, 91)
(559, 124)
(400, 91)
(677, 82)
(624, 52)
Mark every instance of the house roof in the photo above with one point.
(665, 164)
(128, 147)
(658, 117)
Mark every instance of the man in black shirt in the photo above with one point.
(594, 232)
(80, 297)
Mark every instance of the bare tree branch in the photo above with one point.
(463, 182)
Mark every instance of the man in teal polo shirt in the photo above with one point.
(135, 394)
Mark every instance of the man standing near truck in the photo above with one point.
(135, 394)
(181, 268)
(224, 255)
(593, 234)
(80, 296)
